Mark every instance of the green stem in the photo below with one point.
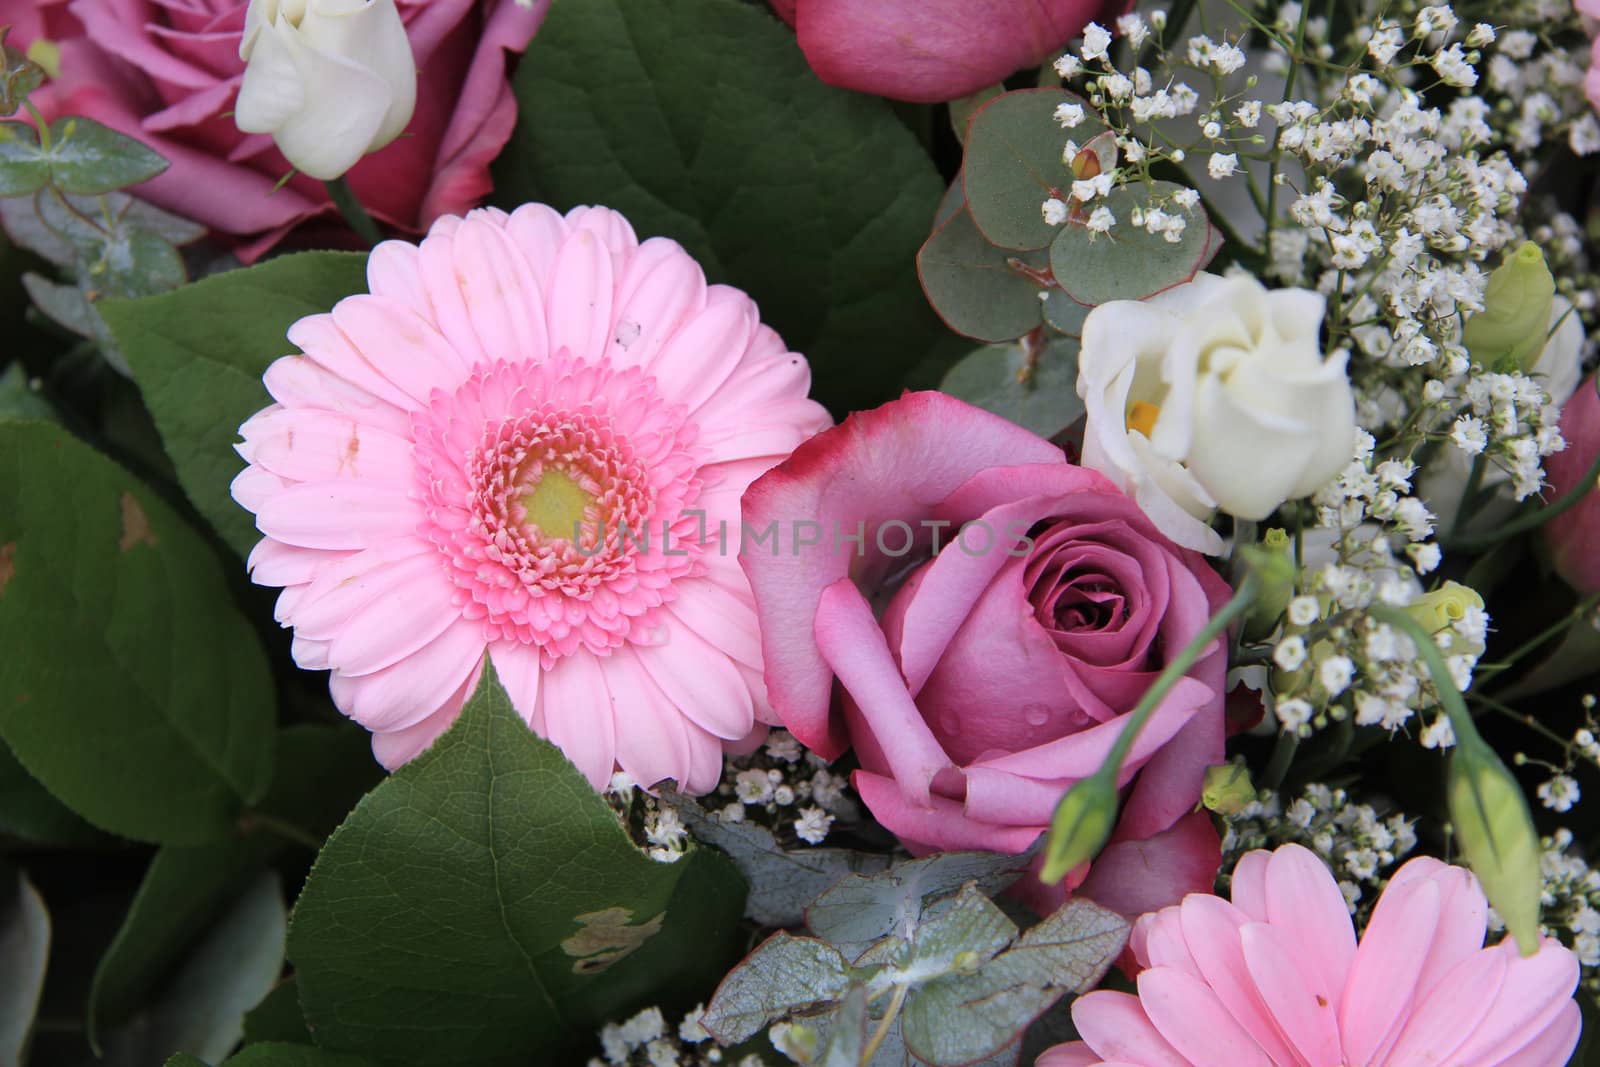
(1282, 755)
(885, 1023)
(345, 200)
(1551, 632)
(256, 820)
(40, 126)
(1469, 493)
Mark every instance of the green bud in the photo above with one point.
(1497, 837)
(1273, 559)
(1082, 823)
(1447, 604)
(1510, 331)
(1227, 789)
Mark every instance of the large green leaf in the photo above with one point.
(978, 289)
(200, 1009)
(485, 895)
(131, 687)
(700, 120)
(198, 354)
(29, 812)
(321, 773)
(24, 950)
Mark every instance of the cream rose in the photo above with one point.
(330, 80)
(1214, 394)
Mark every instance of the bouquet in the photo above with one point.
(631, 533)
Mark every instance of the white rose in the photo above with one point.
(1213, 394)
(330, 80)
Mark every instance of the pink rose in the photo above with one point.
(932, 50)
(1574, 535)
(168, 73)
(1002, 666)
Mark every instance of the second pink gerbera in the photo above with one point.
(1277, 979)
(526, 440)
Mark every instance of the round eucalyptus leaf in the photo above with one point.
(1130, 263)
(979, 290)
(1013, 164)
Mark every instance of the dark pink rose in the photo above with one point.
(1574, 535)
(982, 680)
(933, 50)
(167, 72)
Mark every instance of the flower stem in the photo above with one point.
(256, 820)
(885, 1023)
(345, 200)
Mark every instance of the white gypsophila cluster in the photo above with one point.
(657, 830)
(1362, 845)
(785, 788)
(645, 1041)
(1561, 792)
(1569, 905)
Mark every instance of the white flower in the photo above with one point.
(1096, 39)
(1213, 394)
(1100, 220)
(812, 825)
(330, 80)
(1054, 212)
(1290, 653)
(1222, 164)
(1069, 115)
(1559, 793)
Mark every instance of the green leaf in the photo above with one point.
(131, 687)
(23, 170)
(282, 1054)
(200, 1010)
(487, 896)
(198, 354)
(19, 76)
(29, 812)
(782, 882)
(979, 290)
(277, 1018)
(966, 932)
(1040, 393)
(19, 400)
(860, 909)
(700, 120)
(135, 263)
(783, 973)
(24, 951)
(1013, 164)
(183, 1059)
(1129, 263)
(1064, 314)
(87, 158)
(847, 1036)
(58, 228)
(321, 773)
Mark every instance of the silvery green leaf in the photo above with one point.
(847, 1036)
(23, 170)
(962, 937)
(963, 1018)
(783, 973)
(893, 1053)
(87, 158)
(24, 949)
(782, 882)
(1035, 387)
(28, 229)
(860, 909)
(69, 307)
(57, 227)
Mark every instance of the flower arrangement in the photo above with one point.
(640, 534)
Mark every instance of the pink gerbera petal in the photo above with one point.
(496, 450)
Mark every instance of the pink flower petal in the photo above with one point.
(1382, 986)
(1535, 992)
(1554, 1044)
(1304, 902)
(519, 670)
(939, 824)
(414, 688)
(701, 680)
(396, 747)
(1249, 887)
(1446, 1017)
(578, 301)
(1211, 930)
(652, 744)
(1116, 1027)
(1299, 998)
(1194, 1022)
(580, 715)
(1142, 875)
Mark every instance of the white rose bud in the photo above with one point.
(330, 80)
(1213, 394)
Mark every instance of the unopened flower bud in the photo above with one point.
(1509, 333)
(1081, 826)
(330, 80)
(1444, 607)
(1497, 837)
(1274, 562)
(1227, 789)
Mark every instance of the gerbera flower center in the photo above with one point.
(557, 492)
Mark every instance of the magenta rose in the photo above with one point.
(168, 71)
(932, 50)
(1574, 535)
(1024, 605)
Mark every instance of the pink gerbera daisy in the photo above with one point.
(529, 439)
(1277, 979)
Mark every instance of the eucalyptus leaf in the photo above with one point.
(19, 400)
(860, 909)
(19, 76)
(1039, 393)
(783, 973)
(959, 1019)
(200, 1009)
(847, 1036)
(979, 290)
(87, 158)
(23, 170)
(179, 693)
(782, 881)
(486, 895)
(64, 305)
(1064, 314)
(24, 952)
(1129, 262)
(1013, 164)
(967, 933)
(812, 199)
(198, 354)
(287, 1054)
